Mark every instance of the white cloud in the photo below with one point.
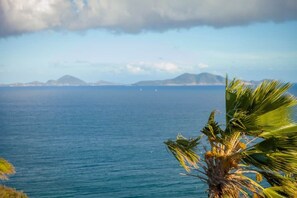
(166, 67)
(203, 65)
(135, 69)
(145, 67)
(132, 16)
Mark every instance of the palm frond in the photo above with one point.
(273, 192)
(284, 184)
(278, 161)
(212, 129)
(6, 169)
(262, 109)
(183, 150)
(6, 192)
(276, 153)
(285, 131)
(287, 143)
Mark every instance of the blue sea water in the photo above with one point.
(102, 141)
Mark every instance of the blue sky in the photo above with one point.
(248, 49)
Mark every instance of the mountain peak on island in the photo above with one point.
(67, 77)
(188, 79)
(202, 78)
(67, 80)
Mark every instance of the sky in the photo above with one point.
(130, 40)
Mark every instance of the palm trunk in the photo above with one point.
(215, 192)
(214, 195)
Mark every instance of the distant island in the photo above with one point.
(185, 79)
(65, 80)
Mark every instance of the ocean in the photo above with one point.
(102, 141)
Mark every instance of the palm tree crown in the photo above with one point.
(259, 142)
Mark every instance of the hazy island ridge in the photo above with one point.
(186, 79)
(66, 80)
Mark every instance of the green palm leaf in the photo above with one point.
(275, 153)
(5, 169)
(6, 192)
(285, 185)
(253, 111)
(183, 150)
(273, 192)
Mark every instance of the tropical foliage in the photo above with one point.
(6, 169)
(255, 154)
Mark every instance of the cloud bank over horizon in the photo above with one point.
(133, 16)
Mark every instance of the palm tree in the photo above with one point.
(255, 154)
(6, 169)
